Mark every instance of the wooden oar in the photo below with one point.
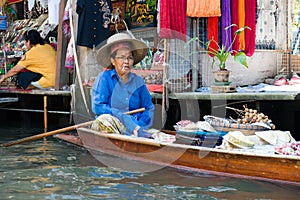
(69, 128)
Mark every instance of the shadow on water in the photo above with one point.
(52, 169)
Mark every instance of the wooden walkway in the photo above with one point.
(36, 101)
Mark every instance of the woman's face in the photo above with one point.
(27, 44)
(123, 61)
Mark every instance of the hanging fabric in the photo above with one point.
(241, 23)
(173, 19)
(44, 3)
(212, 34)
(203, 8)
(225, 22)
(234, 20)
(250, 21)
(94, 19)
(30, 4)
(69, 61)
(53, 11)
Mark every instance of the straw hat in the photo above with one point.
(139, 48)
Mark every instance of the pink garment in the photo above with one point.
(173, 19)
(66, 20)
(69, 62)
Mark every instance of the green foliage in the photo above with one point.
(222, 52)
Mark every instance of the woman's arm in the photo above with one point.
(145, 119)
(100, 95)
(13, 71)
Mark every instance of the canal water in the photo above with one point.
(53, 169)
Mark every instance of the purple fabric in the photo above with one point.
(225, 22)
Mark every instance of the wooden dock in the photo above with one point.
(282, 107)
(47, 106)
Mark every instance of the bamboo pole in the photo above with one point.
(46, 134)
(165, 84)
(77, 70)
(69, 128)
(45, 114)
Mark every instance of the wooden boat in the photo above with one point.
(226, 162)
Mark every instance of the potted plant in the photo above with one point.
(222, 52)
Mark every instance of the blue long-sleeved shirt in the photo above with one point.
(111, 96)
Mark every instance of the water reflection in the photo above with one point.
(51, 169)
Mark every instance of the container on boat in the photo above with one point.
(200, 138)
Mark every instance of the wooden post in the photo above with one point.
(60, 38)
(165, 103)
(45, 114)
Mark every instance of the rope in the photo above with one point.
(76, 64)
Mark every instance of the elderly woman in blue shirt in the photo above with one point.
(117, 90)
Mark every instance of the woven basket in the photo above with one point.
(223, 124)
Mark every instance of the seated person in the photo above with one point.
(37, 68)
(117, 90)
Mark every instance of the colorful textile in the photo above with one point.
(53, 7)
(203, 8)
(173, 19)
(66, 20)
(212, 34)
(241, 23)
(234, 20)
(225, 22)
(250, 21)
(107, 123)
(140, 13)
(69, 62)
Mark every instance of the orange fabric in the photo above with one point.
(203, 8)
(241, 14)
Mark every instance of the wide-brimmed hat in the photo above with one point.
(139, 48)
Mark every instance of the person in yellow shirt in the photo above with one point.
(37, 68)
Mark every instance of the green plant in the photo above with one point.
(222, 52)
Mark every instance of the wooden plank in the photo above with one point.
(59, 52)
(291, 96)
(35, 92)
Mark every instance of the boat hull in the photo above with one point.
(251, 165)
